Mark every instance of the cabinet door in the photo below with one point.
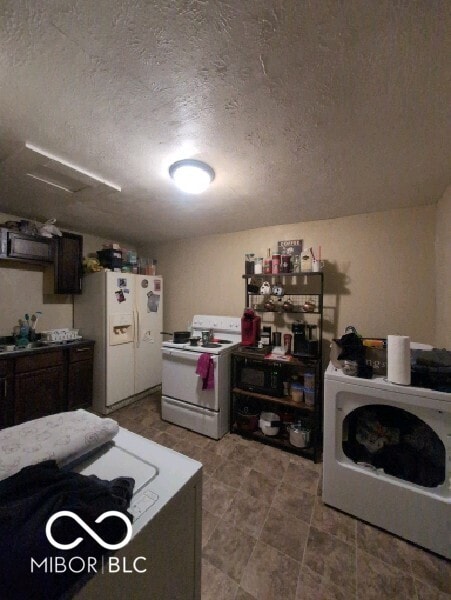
(68, 263)
(38, 393)
(6, 402)
(6, 394)
(79, 384)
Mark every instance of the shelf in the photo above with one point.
(289, 312)
(258, 354)
(266, 275)
(279, 441)
(282, 401)
(300, 290)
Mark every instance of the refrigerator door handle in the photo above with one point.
(137, 332)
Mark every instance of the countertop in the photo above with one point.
(40, 347)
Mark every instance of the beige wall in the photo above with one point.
(443, 271)
(379, 272)
(22, 290)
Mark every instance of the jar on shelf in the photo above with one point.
(306, 261)
(285, 263)
(309, 397)
(249, 264)
(297, 391)
(258, 266)
(275, 269)
(309, 382)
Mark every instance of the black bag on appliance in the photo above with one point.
(352, 349)
(351, 346)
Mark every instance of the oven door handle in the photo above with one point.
(185, 354)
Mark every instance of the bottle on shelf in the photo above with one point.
(267, 263)
(275, 268)
(285, 263)
(306, 261)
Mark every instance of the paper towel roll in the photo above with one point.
(398, 359)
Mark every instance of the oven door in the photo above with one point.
(180, 380)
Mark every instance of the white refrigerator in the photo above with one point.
(122, 313)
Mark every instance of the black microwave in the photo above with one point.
(262, 378)
(22, 246)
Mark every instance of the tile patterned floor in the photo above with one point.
(267, 535)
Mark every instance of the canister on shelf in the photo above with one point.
(258, 266)
(266, 336)
(306, 261)
(275, 264)
(309, 381)
(287, 343)
(297, 391)
(285, 264)
(249, 264)
(309, 397)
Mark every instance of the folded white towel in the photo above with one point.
(63, 437)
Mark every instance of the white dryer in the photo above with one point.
(418, 513)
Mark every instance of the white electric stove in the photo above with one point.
(185, 400)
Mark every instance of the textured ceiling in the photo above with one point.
(305, 109)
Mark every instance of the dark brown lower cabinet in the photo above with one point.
(6, 392)
(80, 377)
(39, 383)
(38, 393)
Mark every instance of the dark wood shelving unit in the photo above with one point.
(297, 285)
(278, 441)
(274, 399)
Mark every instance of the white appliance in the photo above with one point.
(418, 513)
(168, 488)
(122, 313)
(184, 401)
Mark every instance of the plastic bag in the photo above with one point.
(49, 229)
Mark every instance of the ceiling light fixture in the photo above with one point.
(191, 176)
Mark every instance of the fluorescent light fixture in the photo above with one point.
(48, 182)
(191, 176)
(68, 173)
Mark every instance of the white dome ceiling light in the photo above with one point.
(191, 176)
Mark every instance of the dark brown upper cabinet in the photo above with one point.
(68, 263)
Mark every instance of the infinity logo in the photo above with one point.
(93, 534)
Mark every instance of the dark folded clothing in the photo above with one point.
(27, 500)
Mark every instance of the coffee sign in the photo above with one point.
(289, 247)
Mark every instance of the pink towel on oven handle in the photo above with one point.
(205, 368)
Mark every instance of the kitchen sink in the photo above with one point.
(35, 345)
(29, 346)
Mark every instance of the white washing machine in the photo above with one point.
(417, 513)
(167, 529)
